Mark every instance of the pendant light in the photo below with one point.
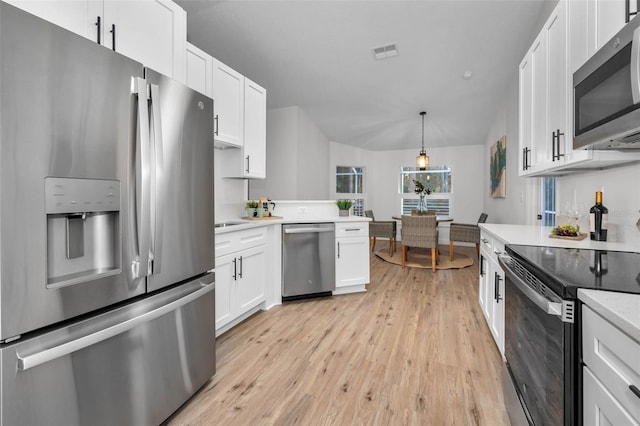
(422, 160)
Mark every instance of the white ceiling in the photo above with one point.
(317, 55)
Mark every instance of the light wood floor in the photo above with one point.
(414, 349)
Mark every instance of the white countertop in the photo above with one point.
(539, 236)
(621, 309)
(240, 224)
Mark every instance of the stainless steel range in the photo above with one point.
(543, 323)
(106, 232)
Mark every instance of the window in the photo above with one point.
(436, 178)
(349, 184)
(548, 201)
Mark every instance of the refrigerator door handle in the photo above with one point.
(50, 354)
(142, 178)
(157, 201)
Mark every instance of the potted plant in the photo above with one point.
(421, 190)
(251, 207)
(343, 207)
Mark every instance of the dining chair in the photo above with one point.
(466, 233)
(421, 232)
(381, 229)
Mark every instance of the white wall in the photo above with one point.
(621, 195)
(282, 156)
(382, 176)
(513, 208)
(297, 158)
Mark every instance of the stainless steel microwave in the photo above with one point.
(606, 94)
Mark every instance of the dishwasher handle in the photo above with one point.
(306, 230)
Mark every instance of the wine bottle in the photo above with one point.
(598, 220)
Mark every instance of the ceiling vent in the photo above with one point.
(383, 52)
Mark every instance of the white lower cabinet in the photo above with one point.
(352, 257)
(600, 407)
(611, 372)
(491, 286)
(240, 276)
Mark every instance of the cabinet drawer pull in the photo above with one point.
(240, 273)
(352, 229)
(635, 390)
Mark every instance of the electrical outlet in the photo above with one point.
(302, 210)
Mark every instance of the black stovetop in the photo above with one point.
(564, 270)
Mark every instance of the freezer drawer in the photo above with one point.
(134, 365)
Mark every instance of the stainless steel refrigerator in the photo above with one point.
(106, 233)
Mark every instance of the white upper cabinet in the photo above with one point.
(255, 130)
(78, 16)
(571, 34)
(228, 93)
(199, 70)
(153, 32)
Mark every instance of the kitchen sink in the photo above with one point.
(225, 224)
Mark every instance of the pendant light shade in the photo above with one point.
(422, 160)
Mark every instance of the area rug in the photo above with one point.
(421, 258)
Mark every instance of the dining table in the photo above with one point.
(439, 218)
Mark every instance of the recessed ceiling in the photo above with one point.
(318, 55)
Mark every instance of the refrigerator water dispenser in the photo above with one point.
(83, 230)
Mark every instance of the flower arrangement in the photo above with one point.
(420, 189)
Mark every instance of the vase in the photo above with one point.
(422, 205)
(260, 212)
(343, 212)
(251, 211)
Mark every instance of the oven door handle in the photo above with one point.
(549, 307)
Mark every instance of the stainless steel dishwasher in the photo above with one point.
(308, 260)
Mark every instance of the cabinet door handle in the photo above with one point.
(555, 145)
(98, 25)
(113, 37)
(247, 164)
(240, 273)
(482, 265)
(496, 287)
(338, 249)
(635, 390)
(215, 122)
(235, 270)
